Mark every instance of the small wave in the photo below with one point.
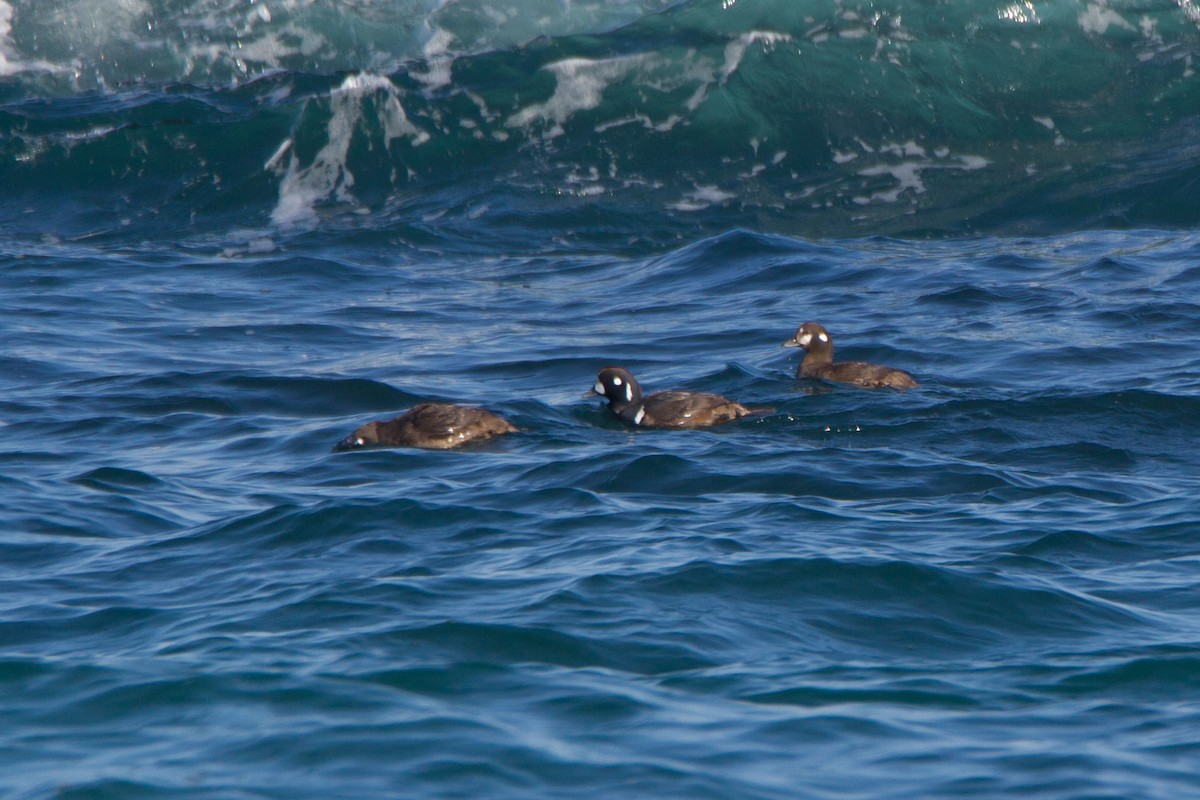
(948, 610)
(116, 479)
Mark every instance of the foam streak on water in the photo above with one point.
(328, 175)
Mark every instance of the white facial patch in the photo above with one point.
(628, 392)
(637, 419)
(823, 337)
(805, 339)
(598, 388)
(616, 380)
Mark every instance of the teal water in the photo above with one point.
(232, 232)
(812, 119)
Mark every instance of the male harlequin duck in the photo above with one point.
(437, 426)
(663, 409)
(818, 363)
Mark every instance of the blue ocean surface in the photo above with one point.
(232, 231)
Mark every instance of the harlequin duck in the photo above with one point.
(663, 409)
(437, 426)
(818, 363)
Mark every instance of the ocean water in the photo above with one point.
(231, 231)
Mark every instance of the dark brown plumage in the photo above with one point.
(672, 409)
(437, 426)
(818, 363)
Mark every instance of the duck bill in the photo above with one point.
(791, 343)
(349, 443)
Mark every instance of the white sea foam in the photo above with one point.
(909, 148)
(736, 50)
(1098, 18)
(439, 59)
(907, 175)
(1048, 123)
(1190, 10)
(701, 198)
(580, 85)
(6, 51)
(10, 62)
(328, 175)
